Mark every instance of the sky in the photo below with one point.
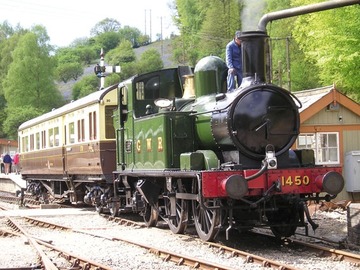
(67, 20)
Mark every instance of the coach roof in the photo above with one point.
(72, 106)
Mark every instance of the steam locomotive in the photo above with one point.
(175, 145)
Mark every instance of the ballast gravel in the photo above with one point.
(121, 255)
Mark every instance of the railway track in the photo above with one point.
(47, 263)
(167, 255)
(223, 250)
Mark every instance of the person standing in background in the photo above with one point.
(234, 62)
(16, 161)
(7, 162)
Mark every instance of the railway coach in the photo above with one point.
(65, 151)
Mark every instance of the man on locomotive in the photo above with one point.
(234, 62)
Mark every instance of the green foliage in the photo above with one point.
(150, 61)
(331, 39)
(206, 27)
(218, 28)
(128, 70)
(17, 116)
(123, 53)
(85, 86)
(107, 40)
(189, 21)
(30, 75)
(6, 31)
(133, 35)
(106, 25)
(112, 79)
(66, 72)
(291, 69)
(29, 80)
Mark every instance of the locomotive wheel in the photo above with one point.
(150, 216)
(282, 220)
(99, 209)
(207, 221)
(114, 208)
(283, 231)
(178, 223)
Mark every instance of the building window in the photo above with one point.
(324, 144)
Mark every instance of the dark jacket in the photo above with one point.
(7, 159)
(233, 56)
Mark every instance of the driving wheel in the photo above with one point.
(178, 222)
(207, 220)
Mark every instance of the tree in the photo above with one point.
(104, 26)
(85, 86)
(6, 31)
(218, 28)
(332, 44)
(30, 75)
(107, 41)
(123, 53)
(133, 35)
(150, 61)
(15, 117)
(68, 71)
(302, 73)
(189, 18)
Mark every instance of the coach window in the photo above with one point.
(92, 125)
(24, 143)
(37, 140)
(32, 142)
(324, 144)
(81, 130)
(71, 132)
(51, 137)
(43, 139)
(56, 136)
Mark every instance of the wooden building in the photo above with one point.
(330, 125)
(8, 146)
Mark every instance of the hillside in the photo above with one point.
(163, 47)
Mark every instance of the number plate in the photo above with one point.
(295, 180)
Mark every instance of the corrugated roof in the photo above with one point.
(309, 97)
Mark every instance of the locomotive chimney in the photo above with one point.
(287, 13)
(255, 56)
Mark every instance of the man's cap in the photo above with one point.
(238, 34)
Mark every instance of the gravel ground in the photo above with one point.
(120, 255)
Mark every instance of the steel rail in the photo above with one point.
(47, 263)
